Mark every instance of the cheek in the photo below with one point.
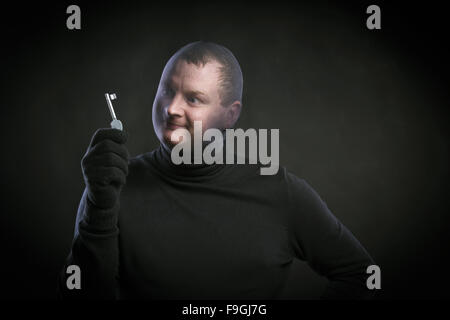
(157, 116)
(210, 118)
(158, 110)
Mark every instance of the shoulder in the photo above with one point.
(301, 193)
(306, 207)
(295, 183)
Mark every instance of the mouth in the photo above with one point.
(173, 125)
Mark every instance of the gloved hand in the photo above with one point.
(105, 167)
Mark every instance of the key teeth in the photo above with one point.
(113, 96)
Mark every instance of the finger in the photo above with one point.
(107, 146)
(105, 176)
(109, 159)
(115, 135)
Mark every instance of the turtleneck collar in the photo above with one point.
(161, 158)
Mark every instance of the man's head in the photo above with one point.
(201, 82)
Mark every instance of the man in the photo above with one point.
(147, 228)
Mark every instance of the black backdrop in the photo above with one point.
(362, 116)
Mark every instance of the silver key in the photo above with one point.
(115, 123)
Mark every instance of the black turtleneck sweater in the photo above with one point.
(210, 232)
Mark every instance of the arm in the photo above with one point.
(319, 238)
(95, 245)
(95, 251)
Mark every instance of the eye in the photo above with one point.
(193, 100)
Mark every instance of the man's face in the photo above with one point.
(188, 93)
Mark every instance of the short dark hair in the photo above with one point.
(201, 52)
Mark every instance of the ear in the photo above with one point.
(233, 113)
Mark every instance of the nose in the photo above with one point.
(175, 108)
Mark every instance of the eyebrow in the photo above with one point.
(168, 83)
(197, 93)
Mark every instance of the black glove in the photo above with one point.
(105, 167)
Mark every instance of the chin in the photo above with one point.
(167, 141)
(167, 133)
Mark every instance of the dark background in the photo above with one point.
(362, 116)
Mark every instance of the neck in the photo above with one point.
(163, 157)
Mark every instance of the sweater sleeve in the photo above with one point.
(95, 251)
(321, 240)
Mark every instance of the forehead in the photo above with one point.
(181, 72)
